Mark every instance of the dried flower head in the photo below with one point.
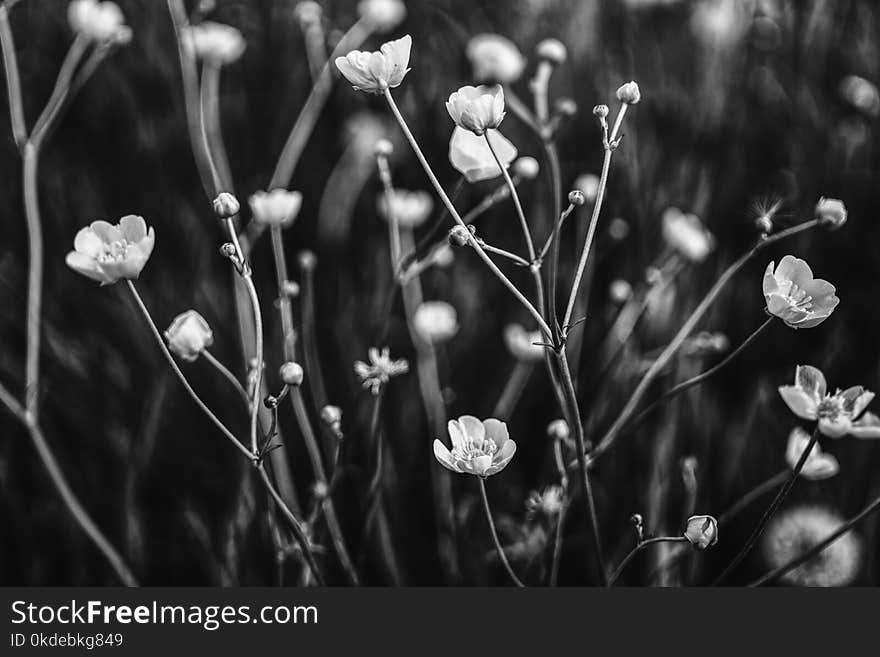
(495, 59)
(435, 321)
(459, 235)
(380, 370)
(795, 297)
(278, 207)
(107, 253)
(410, 209)
(375, 72)
(480, 448)
(188, 335)
(702, 531)
(470, 154)
(819, 465)
(477, 109)
(102, 22)
(215, 43)
(522, 344)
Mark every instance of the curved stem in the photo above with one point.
(13, 81)
(632, 553)
(60, 93)
(516, 202)
(258, 377)
(229, 376)
(754, 494)
(516, 580)
(768, 514)
(560, 522)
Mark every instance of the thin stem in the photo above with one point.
(516, 580)
(13, 81)
(755, 493)
(657, 366)
(816, 549)
(35, 277)
(552, 156)
(309, 329)
(560, 522)
(229, 376)
(519, 109)
(632, 553)
(258, 376)
(702, 376)
(530, 246)
(522, 262)
(556, 229)
(452, 211)
(774, 506)
(60, 93)
(183, 380)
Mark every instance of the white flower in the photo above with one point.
(629, 93)
(435, 321)
(686, 234)
(702, 531)
(553, 50)
(98, 21)
(477, 108)
(382, 15)
(107, 253)
(795, 297)
(380, 370)
(547, 502)
(522, 344)
(861, 93)
(213, 42)
(374, 72)
(480, 448)
(495, 59)
(819, 464)
(278, 207)
(188, 335)
(831, 212)
(410, 209)
(470, 155)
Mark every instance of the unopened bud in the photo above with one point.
(321, 490)
(576, 197)
(270, 402)
(384, 148)
(526, 167)
(565, 106)
(307, 13)
(226, 205)
(600, 111)
(331, 415)
(460, 236)
(831, 212)
(553, 50)
(558, 430)
(291, 373)
(290, 289)
(629, 93)
(227, 250)
(307, 260)
(702, 531)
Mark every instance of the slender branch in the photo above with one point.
(516, 202)
(516, 580)
(632, 553)
(258, 376)
(229, 376)
(556, 229)
(13, 81)
(552, 157)
(210, 104)
(61, 92)
(522, 262)
(35, 277)
(754, 494)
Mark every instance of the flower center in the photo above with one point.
(830, 408)
(114, 251)
(799, 298)
(471, 449)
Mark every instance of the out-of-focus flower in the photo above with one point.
(552, 50)
(443, 256)
(374, 72)
(291, 373)
(795, 531)
(382, 15)
(547, 502)
(686, 234)
(495, 59)
(188, 335)
(98, 21)
(331, 415)
(795, 297)
(589, 185)
(522, 344)
(308, 12)
(215, 43)
(380, 370)
(861, 94)
(411, 209)
(702, 531)
(106, 253)
(819, 465)
(618, 229)
(477, 108)
(383, 148)
(435, 321)
(720, 22)
(278, 207)
(619, 291)
(629, 93)
(470, 154)
(558, 430)
(480, 448)
(831, 212)
(526, 167)
(838, 414)
(705, 342)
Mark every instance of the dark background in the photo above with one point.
(730, 119)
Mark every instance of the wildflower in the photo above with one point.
(226, 205)
(552, 50)
(214, 43)
(480, 448)
(435, 321)
(291, 373)
(278, 207)
(831, 212)
(526, 167)
(375, 72)
(629, 93)
(819, 464)
(410, 209)
(522, 344)
(470, 154)
(495, 59)
(861, 94)
(558, 430)
(702, 531)
(102, 22)
(620, 291)
(380, 370)
(477, 108)
(795, 531)
(686, 234)
(795, 297)
(547, 502)
(588, 183)
(188, 335)
(106, 253)
(838, 414)
(382, 15)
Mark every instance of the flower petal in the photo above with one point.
(795, 270)
(473, 428)
(106, 231)
(811, 380)
(88, 242)
(444, 457)
(133, 228)
(497, 431)
(456, 434)
(87, 266)
(867, 427)
(481, 464)
(800, 403)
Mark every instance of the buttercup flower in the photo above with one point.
(547, 502)
(495, 59)
(382, 15)
(470, 154)
(106, 253)
(629, 93)
(686, 234)
(278, 207)
(411, 209)
(838, 414)
(702, 531)
(819, 464)
(795, 297)
(521, 343)
(214, 42)
(435, 321)
(380, 370)
(831, 212)
(188, 335)
(98, 21)
(478, 448)
(374, 72)
(477, 108)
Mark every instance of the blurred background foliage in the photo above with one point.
(744, 103)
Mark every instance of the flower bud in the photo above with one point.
(331, 415)
(290, 289)
(291, 373)
(526, 167)
(188, 335)
(600, 111)
(618, 229)
(384, 148)
(459, 235)
(226, 205)
(435, 321)
(495, 59)
(702, 531)
(558, 430)
(307, 12)
(307, 260)
(551, 50)
(576, 197)
(321, 490)
(227, 250)
(270, 402)
(382, 15)
(629, 93)
(831, 212)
